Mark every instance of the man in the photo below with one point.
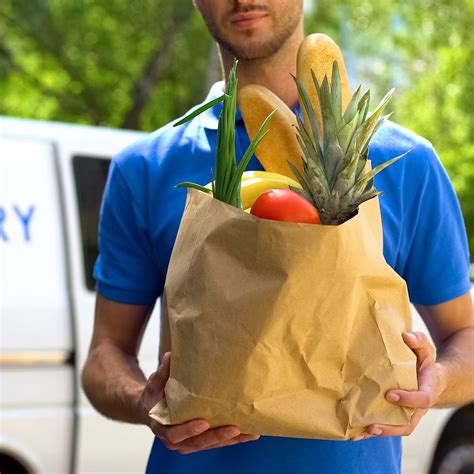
(424, 241)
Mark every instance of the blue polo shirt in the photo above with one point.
(424, 242)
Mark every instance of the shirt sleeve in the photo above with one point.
(437, 266)
(125, 270)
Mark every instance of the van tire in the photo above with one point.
(9, 465)
(457, 458)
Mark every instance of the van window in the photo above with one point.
(90, 175)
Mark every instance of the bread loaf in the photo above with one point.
(280, 145)
(317, 52)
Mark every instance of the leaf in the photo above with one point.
(200, 110)
(234, 185)
(351, 110)
(336, 93)
(187, 184)
(308, 192)
(362, 182)
(311, 143)
(304, 98)
(317, 87)
(335, 160)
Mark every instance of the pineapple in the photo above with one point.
(335, 151)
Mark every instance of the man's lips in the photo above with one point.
(247, 20)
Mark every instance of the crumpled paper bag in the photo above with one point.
(283, 329)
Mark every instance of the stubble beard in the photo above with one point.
(246, 50)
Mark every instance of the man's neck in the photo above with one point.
(273, 72)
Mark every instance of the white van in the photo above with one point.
(51, 182)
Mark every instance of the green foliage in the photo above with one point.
(141, 64)
(227, 174)
(93, 61)
(425, 49)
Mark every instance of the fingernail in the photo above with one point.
(357, 438)
(376, 432)
(411, 336)
(231, 433)
(393, 397)
(201, 426)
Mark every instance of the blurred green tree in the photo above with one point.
(119, 64)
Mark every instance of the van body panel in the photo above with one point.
(33, 287)
(39, 437)
(36, 387)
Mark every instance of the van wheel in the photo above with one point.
(457, 458)
(9, 465)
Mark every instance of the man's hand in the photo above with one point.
(430, 385)
(193, 435)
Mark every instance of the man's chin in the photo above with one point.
(252, 50)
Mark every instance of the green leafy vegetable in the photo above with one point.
(227, 176)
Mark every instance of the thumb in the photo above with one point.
(163, 372)
(155, 387)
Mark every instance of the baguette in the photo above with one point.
(317, 52)
(280, 144)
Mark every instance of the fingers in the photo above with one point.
(418, 399)
(424, 397)
(391, 430)
(179, 433)
(210, 439)
(243, 438)
(362, 436)
(420, 345)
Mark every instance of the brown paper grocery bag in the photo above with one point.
(283, 329)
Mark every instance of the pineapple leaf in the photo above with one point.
(360, 168)
(368, 129)
(335, 158)
(378, 125)
(340, 166)
(366, 108)
(362, 182)
(369, 186)
(303, 93)
(307, 139)
(351, 110)
(301, 179)
(316, 86)
(368, 195)
(336, 93)
(362, 105)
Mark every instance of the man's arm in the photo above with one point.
(112, 378)
(451, 326)
(117, 388)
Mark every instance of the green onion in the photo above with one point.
(227, 175)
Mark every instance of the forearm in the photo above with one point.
(113, 382)
(455, 363)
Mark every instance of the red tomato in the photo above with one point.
(285, 205)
